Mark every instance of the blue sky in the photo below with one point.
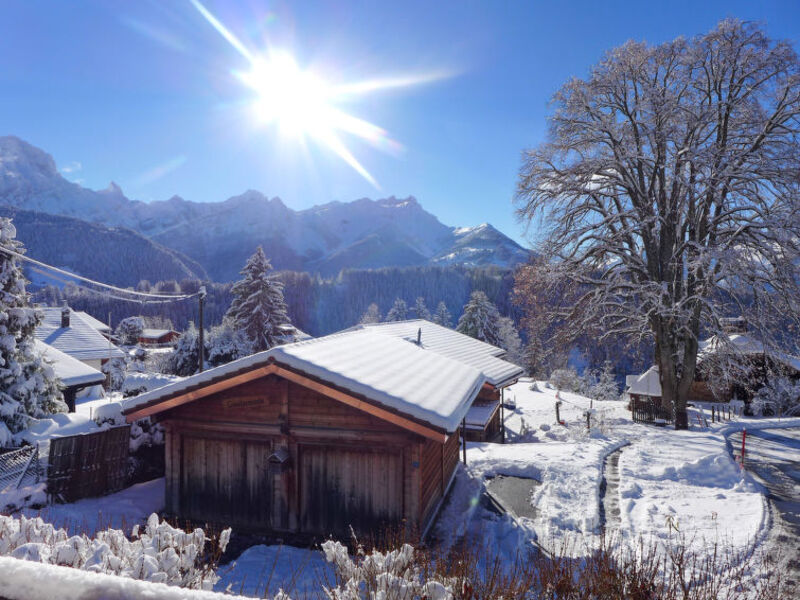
(144, 92)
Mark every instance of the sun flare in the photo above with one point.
(303, 105)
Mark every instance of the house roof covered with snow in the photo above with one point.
(647, 384)
(80, 340)
(96, 323)
(385, 371)
(743, 345)
(454, 345)
(155, 334)
(71, 371)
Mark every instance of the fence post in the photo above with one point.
(558, 414)
(588, 420)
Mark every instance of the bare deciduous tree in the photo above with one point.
(667, 194)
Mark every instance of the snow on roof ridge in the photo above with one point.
(441, 397)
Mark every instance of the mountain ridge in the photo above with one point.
(219, 236)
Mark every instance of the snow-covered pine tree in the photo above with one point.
(481, 320)
(398, 312)
(184, 359)
(421, 310)
(442, 316)
(258, 308)
(28, 386)
(372, 315)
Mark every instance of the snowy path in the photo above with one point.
(609, 493)
(773, 456)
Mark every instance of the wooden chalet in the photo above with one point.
(158, 337)
(352, 429)
(484, 421)
(745, 360)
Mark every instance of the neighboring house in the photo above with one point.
(747, 362)
(68, 331)
(352, 429)
(484, 421)
(158, 337)
(73, 374)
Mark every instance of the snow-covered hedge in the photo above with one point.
(160, 553)
(393, 574)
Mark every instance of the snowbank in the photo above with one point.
(24, 580)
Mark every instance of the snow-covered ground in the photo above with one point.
(672, 483)
(121, 510)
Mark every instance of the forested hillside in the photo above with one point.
(316, 305)
(113, 255)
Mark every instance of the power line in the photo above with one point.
(167, 297)
(98, 292)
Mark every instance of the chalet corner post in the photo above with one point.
(201, 352)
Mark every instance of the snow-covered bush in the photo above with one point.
(395, 574)
(601, 384)
(226, 344)
(566, 380)
(780, 396)
(115, 369)
(161, 553)
(184, 360)
(130, 330)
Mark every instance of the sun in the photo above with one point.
(303, 105)
(295, 100)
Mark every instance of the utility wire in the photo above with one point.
(98, 292)
(168, 297)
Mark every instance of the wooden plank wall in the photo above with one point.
(386, 472)
(90, 464)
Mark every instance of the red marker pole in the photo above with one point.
(744, 437)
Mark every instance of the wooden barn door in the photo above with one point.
(226, 481)
(341, 487)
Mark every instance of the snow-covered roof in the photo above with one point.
(96, 323)
(479, 415)
(70, 371)
(455, 345)
(390, 372)
(742, 344)
(80, 340)
(647, 384)
(155, 333)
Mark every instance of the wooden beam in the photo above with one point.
(366, 407)
(303, 380)
(158, 407)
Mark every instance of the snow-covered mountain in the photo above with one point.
(221, 235)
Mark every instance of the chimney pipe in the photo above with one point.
(65, 317)
(419, 336)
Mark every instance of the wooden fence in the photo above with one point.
(19, 467)
(91, 464)
(648, 411)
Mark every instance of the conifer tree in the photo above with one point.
(442, 316)
(421, 310)
(481, 320)
(398, 312)
(28, 386)
(372, 315)
(258, 308)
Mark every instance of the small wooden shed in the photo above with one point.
(353, 429)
